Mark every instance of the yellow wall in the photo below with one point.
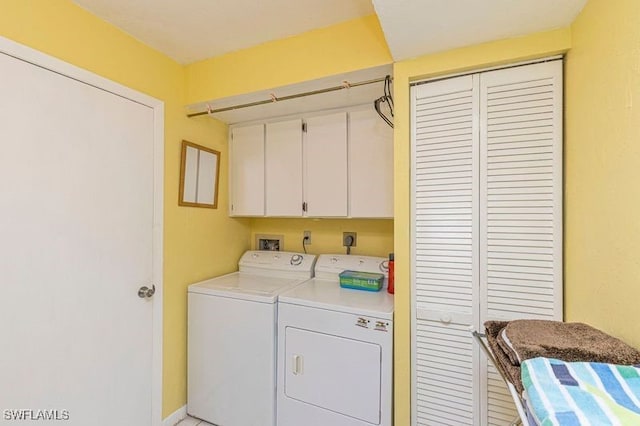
(349, 46)
(198, 242)
(375, 236)
(602, 169)
(458, 60)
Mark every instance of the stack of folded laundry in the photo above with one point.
(513, 342)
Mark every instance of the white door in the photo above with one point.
(520, 207)
(247, 171)
(326, 165)
(487, 226)
(76, 239)
(370, 165)
(445, 269)
(283, 168)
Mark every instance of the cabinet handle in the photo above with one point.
(304, 206)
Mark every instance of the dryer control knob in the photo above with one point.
(296, 259)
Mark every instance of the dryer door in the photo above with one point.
(337, 374)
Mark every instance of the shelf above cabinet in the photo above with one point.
(325, 101)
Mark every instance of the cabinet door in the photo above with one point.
(445, 139)
(247, 171)
(521, 205)
(284, 168)
(326, 165)
(370, 165)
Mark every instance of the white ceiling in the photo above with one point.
(192, 30)
(417, 27)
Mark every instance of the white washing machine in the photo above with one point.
(232, 338)
(335, 349)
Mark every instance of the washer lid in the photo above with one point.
(327, 294)
(241, 285)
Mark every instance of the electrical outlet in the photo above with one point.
(349, 237)
(307, 237)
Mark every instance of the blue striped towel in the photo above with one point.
(581, 393)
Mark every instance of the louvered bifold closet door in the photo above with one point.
(445, 215)
(520, 206)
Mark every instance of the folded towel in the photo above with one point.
(576, 393)
(512, 372)
(574, 342)
(508, 348)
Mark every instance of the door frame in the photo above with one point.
(50, 63)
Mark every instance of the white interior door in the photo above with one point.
(520, 207)
(487, 226)
(76, 244)
(445, 250)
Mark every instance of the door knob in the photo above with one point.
(145, 292)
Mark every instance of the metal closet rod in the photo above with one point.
(347, 85)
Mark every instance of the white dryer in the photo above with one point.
(232, 338)
(335, 349)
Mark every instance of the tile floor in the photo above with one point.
(190, 421)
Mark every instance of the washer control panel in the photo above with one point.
(277, 260)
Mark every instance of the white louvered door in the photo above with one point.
(445, 223)
(487, 227)
(521, 206)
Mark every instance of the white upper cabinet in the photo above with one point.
(370, 165)
(283, 168)
(326, 166)
(247, 171)
(339, 164)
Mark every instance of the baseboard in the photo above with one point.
(175, 417)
